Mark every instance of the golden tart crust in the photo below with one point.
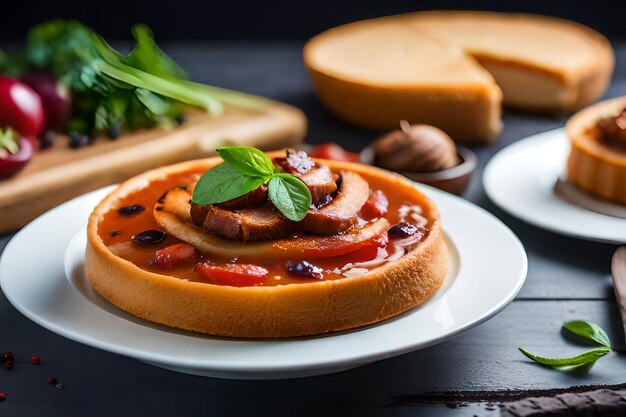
(592, 165)
(267, 311)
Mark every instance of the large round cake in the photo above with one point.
(454, 69)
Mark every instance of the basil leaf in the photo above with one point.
(589, 330)
(582, 359)
(290, 196)
(223, 183)
(247, 160)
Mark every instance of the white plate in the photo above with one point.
(41, 273)
(521, 178)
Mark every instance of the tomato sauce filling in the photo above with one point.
(117, 229)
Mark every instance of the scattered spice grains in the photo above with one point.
(7, 359)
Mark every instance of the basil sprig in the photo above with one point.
(244, 169)
(584, 329)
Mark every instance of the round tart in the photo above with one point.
(597, 161)
(315, 281)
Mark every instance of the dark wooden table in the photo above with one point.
(568, 279)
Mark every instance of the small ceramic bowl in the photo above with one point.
(453, 180)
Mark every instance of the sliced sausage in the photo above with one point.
(341, 213)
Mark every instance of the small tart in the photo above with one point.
(296, 309)
(594, 165)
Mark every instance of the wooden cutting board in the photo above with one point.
(59, 173)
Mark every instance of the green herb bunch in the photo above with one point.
(245, 169)
(110, 90)
(584, 329)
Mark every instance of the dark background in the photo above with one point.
(272, 19)
(568, 278)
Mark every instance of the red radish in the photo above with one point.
(21, 108)
(15, 152)
(55, 97)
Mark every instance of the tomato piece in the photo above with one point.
(175, 254)
(376, 205)
(364, 254)
(235, 275)
(313, 247)
(331, 246)
(21, 108)
(12, 162)
(333, 152)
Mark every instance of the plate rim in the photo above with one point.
(355, 360)
(490, 172)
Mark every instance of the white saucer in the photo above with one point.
(41, 273)
(521, 179)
